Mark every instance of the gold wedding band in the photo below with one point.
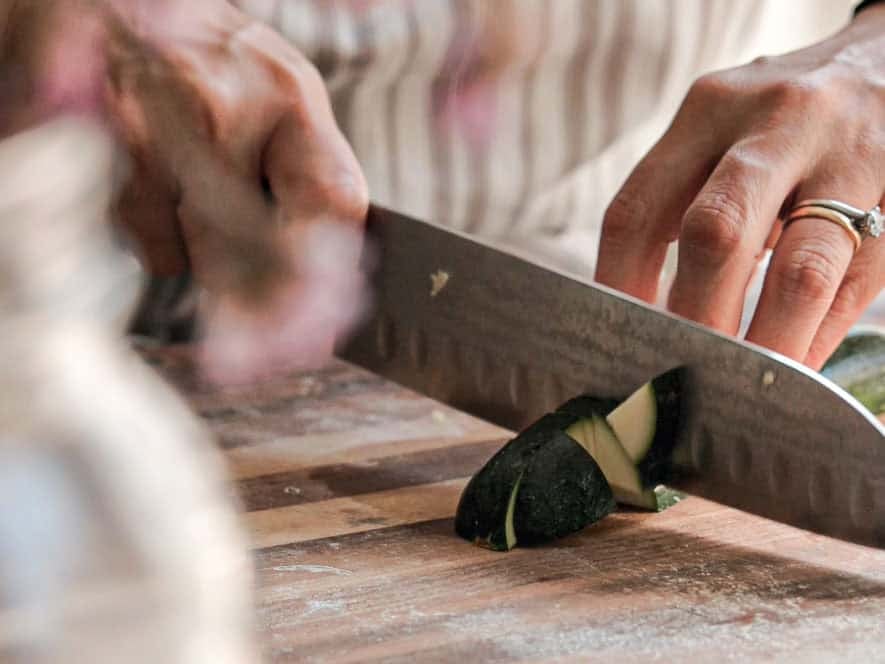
(827, 214)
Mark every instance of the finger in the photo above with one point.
(316, 183)
(313, 174)
(147, 211)
(644, 217)
(808, 266)
(863, 282)
(232, 243)
(725, 231)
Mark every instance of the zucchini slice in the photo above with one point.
(540, 485)
(596, 436)
(562, 491)
(481, 516)
(647, 422)
(858, 367)
(566, 470)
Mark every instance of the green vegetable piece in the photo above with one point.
(667, 497)
(647, 424)
(858, 367)
(586, 406)
(562, 491)
(622, 475)
(482, 510)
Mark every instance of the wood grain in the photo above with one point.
(350, 485)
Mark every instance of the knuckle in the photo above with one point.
(808, 275)
(713, 227)
(298, 80)
(343, 194)
(712, 87)
(763, 61)
(798, 94)
(353, 196)
(625, 216)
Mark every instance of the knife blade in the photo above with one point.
(507, 340)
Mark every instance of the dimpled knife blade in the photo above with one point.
(507, 340)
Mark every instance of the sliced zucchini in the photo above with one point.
(858, 367)
(562, 491)
(481, 516)
(509, 530)
(586, 405)
(567, 469)
(596, 436)
(646, 424)
(542, 484)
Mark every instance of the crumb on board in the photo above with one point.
(768, 378)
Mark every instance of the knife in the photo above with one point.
(507, 340)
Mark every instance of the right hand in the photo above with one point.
(240, 175)
(238, 172)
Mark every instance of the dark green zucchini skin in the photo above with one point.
(480, 517)
(655, 466)
(858, 367)
(585, 406)
(562, 491)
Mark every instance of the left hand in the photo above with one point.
(746, 145)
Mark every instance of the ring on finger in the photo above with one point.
(827, 214)
(870, 223)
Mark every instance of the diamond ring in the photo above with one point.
(867, 223)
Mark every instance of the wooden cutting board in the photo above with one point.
(350, 483)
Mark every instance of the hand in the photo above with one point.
(746, 144)
(240, 175)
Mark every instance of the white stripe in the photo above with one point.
(345, 44)
(461, 177)
(368, 111)
(298, 22)
(505, 159)
(462, 183)
(548, 110)
(414, 115)
(684, 66)
(602, 35)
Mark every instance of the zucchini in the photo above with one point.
(482, 513)
(562, 491)
(858, 367)
(596, 436)
(566, 470)
(586, 406)
(647, 422)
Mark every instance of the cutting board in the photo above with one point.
(349, 484)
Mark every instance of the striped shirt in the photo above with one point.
(519, 119)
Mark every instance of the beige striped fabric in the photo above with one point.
(519, 119)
